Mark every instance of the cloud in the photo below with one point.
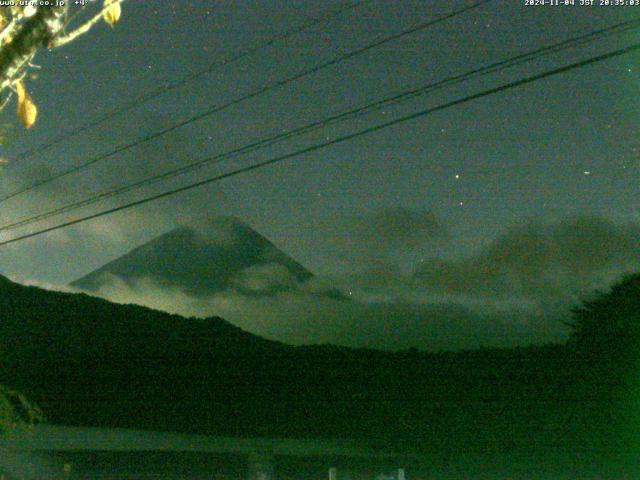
(397, 228)
(514, 291)
(388, 237)
(31, 282)
(264, 278)
(396, 317)
(541, 261)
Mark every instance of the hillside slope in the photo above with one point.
(86, 361)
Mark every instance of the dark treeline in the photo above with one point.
(86, 361)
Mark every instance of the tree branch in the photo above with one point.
(34, 33)
(6, 101)
(63, 40)
(8, 30)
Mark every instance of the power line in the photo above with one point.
(344, 138)
(168, 86)
(343, 116)
(214, 109)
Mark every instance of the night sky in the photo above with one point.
(478, 186)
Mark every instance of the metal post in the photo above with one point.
(401, 474)
(333, 473)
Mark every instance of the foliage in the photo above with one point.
(16, 410)
(24, 30)
(609, 324)
(27, 110)
(112, 11)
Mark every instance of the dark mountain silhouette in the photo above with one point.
(86, 361)
(228, 254)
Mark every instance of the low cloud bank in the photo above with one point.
(515, 291)
(313, 314)
(541, 262)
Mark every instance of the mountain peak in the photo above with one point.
(217, 255)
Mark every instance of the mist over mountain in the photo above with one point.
(86, 361)
(489, 298)
(200, 262)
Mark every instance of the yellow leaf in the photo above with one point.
(112, 11)
(27, 110)
(21, 91)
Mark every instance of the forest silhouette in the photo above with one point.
(85, 361)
